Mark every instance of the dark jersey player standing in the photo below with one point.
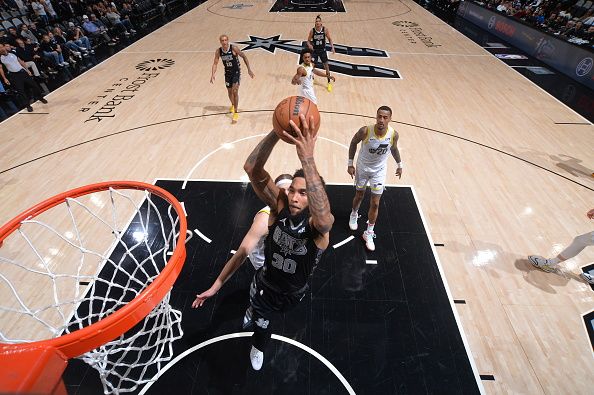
(316, 41)
(299, 226)
(230, 55)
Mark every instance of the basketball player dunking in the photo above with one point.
(316, 41)
(371, 168)
(230, 55)
(305, 76)
(299, 226)
(252, 246)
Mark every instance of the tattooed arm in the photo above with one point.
(319, 206)
(261, 181)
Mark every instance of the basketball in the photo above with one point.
(290, 108)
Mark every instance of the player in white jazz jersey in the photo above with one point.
(252, 247)
(305, 76)
(376, 141)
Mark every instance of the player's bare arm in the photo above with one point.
(310, 40)
(240, 53)
(214, 66)
(330, 40)
(396, 155)
(319, 205)
(321, 73)
(300, 73)
(261, 181)
(357, 138)
(258, 230)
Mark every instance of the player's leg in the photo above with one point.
(263, 302)
(235, 101)
(376, 185)
(577, 245)
(361, 180)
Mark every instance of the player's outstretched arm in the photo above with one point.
(321, 73)
(258, 230)
(319, 206)
(310, 39)
(261, 181)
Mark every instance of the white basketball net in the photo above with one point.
(100, 251)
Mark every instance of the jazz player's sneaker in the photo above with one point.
(256, 358)
(541, 263)
(587, 277)
(235, 117)
(329, 87)
(368, 239)
(232, 109)
(353, 225)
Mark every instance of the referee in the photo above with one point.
(19, 78)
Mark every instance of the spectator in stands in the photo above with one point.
(12, 36)
(65, 9)
(28, 54)
(49, 10)
(28, 34)
(39, 11)
(52, 51)
(96, 30)
(76, 35)
(124, 25)
(64, 43)
(19, 78)
(588, 18)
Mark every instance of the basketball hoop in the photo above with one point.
(77, 280)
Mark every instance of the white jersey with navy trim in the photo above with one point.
(375, 150)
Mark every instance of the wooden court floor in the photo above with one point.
(501, 168)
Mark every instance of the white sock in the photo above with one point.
(354, 212)
(370, 227)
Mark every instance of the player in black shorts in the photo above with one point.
(230, 55)
(316, 41)
(299, 226)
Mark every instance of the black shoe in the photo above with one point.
(43, 100)
(29, 108)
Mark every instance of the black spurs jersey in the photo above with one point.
(319, 39)
(230, 60)
(291, 254)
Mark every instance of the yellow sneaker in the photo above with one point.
(232, 109)
(235, 117)
(329, 87)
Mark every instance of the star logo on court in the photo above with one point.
(155, 64)
(270, 44)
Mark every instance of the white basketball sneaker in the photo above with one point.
(541, 263)
(353, 221)
(587, 277)
(256, 358)
(368, 238)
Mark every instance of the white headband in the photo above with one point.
(285, 182)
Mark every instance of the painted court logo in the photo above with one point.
(155, 64)
(271, 44)
(405, 24)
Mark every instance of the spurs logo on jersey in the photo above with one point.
(288, 244)
(319, 39)
(229, 59)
